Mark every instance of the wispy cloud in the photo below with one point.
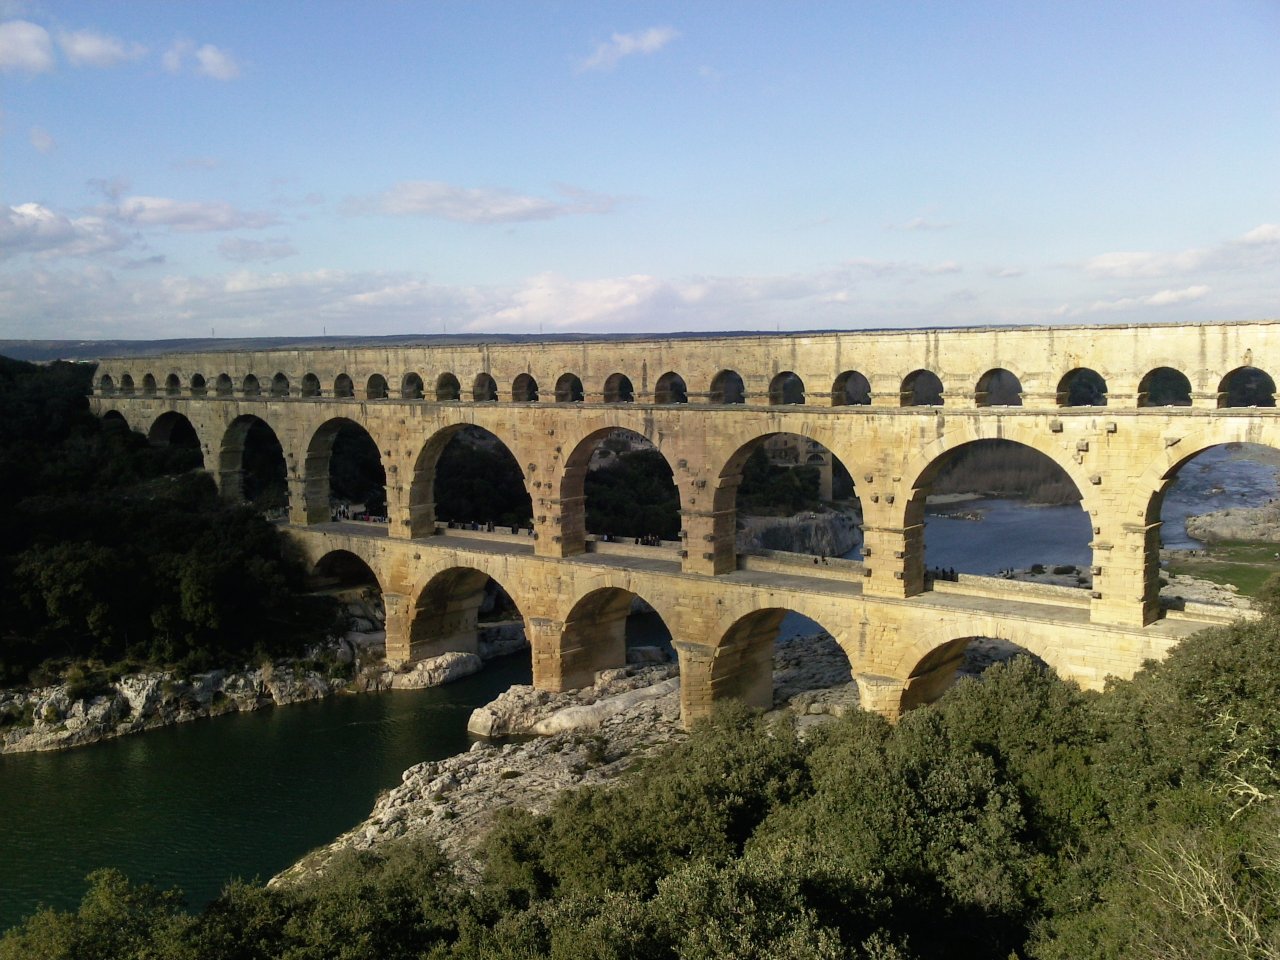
(32, 228)
(86, 48)
(621, 45)
(446, 201)
(25, 47)
(1161, 298)
(43, 140)
(1259, 244)
(240, 250)
(921, 223)
(210, 61)
(186, 216)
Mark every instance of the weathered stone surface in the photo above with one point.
(438, 670)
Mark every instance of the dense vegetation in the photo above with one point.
(116, 551)
(1016, 817)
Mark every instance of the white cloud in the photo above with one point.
(216, 63)
(620, 45)
(445, 201)
(186, 216)
(84, 48)
(35, 229)
(43, 140)
(921, 223)
(178, 51)
(1162, 298)
(210, 61)
(25, 47)
(255, 251)
(1259, 245)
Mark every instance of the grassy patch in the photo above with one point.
(1244, 563)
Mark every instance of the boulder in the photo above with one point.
(438, 670)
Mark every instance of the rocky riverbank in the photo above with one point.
(1238, 523)
(64, 715)
(829, 534)
(589, 737)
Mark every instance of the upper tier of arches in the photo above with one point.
(1164, 385)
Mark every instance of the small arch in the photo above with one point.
(250, 386)
(172, 429)
(569, 389)
(448, 388)
(1247, 387)
(618, 389)
(148, 385)
(851, 389)
(172, 385)
(998, 388)
(106, 386)
(279, 385)
(485, 389)
(670, 388)
(310, 385)
(921, 388)
(198, 386)
(524, 389)
(343, 387)
(1164, 387)
(223, 387)
(126, 385)
(411, 387)
(786, 389)
(376, 388)
(1082, 387)
(727, 387)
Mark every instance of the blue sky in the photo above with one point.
(415, 167)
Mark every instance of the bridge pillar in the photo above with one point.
(313, 504)
(881, 694)
(567, 655)
(709, 542)
(1126, 580)
(398, 609)
(894, 560)
(560, 523)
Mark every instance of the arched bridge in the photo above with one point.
(1118, 408)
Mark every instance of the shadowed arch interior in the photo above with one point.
(126, 385)
(569, 389)
(727, 387)
(618, 389)
(616, 483)
(343, 570)
(1247, 387)
(524, 389)
(940, 668)
(343, 387)
(148, 385)
(251, 387)
(464, 475)
(279, 385)
(251, 464)
(376, 388)
(447, 388)
(594, 637)
(310, 385)
(670, 388)
(485, 389)
(172, 429)
(344, 471)
(851, 389)
(921, 388)
(172, 385)
(998, 388)
(411, 387)
(786, 388)
(198, 386)
(223, 386)
(1082, 387)
(1164, 387)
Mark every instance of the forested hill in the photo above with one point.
(114, 552)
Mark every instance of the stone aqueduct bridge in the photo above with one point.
(706, 404)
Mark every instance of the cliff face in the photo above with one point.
(818, 534)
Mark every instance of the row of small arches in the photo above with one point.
(1082, 387)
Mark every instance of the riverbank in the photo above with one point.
(831, 533)
(64, 715)
(588, 738)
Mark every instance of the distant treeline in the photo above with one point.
(1005, 469)
(117, 551)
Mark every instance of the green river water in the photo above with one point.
(240, 795)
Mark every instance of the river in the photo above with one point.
(248, 794)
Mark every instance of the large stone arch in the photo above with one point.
(444, 613)
(318, 463)
(231, 455)
(422, 500)
(929, 662)
(572, 481)
(338, 561)
(906, 511)
(593, 637)
(171, 429)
